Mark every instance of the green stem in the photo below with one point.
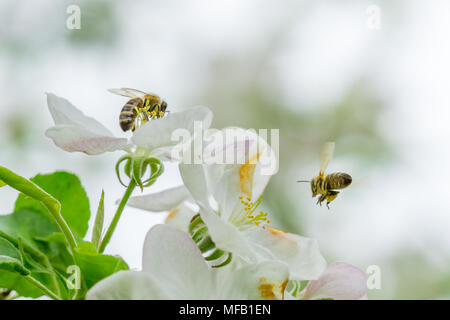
(70, 239)
(47, 291)
(66, 231)
(53, 275)
(117, 215)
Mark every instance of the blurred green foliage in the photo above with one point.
(99, 25)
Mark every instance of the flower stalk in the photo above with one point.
(117, 215)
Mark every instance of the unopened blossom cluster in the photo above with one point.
(217, 242)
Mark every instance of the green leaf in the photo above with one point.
(55, 248)
(28, 188)
(11, 258)
(28, 225)
(35, 261)
(67, 189)
(2, 183)
(40, 197)
(14, 281)
(35, 228)
(96, 266)
(98, 225)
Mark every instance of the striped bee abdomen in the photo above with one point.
(128, 113)
(338, 180)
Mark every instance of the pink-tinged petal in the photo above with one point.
(248, 176)
(159, 132)
(233, 167)
(64, 113)
(340, 281)
(301, 254)
(165, 200)
(249, 149)
(73, 138)
(174, 261)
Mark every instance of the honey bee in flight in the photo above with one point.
(142, 107)
(326, 184)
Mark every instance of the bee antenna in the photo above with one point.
(303, 181)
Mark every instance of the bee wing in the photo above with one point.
(128, 92)
(327, 154)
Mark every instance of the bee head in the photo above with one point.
(163, 106)
(314, 187)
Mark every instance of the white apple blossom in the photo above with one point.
(173, 268)
(151, 143)
(74, 131)
(228, 196)
(340, 281)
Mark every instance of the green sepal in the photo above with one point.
(227, 261)
(195, 223)
(127, 168)
(215, 255)
(138, 170)
(200, 234)
(156, 169)
(206, 244)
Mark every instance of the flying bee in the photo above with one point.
(141, 108)
(325, 184)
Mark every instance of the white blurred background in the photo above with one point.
(377, 84)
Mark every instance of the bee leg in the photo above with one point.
(156, 110)
(321, 199)
(331, 195)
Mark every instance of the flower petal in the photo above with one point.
(127, 285)
(253, 176)
(194, 179)
(340, 281)
(173, 259)
(266, 280)
(226, 236)
(75, 138)
(64, 113)
(301, 254)
(158, 133)
(246, 174)
(165, 200)
(181, 216)
(247, 177)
